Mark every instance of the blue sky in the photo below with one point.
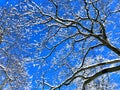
(12, 2)
(33, 69)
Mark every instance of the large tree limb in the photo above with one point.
(74, 76)
(104, 71)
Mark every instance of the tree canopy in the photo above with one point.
(60, 45)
